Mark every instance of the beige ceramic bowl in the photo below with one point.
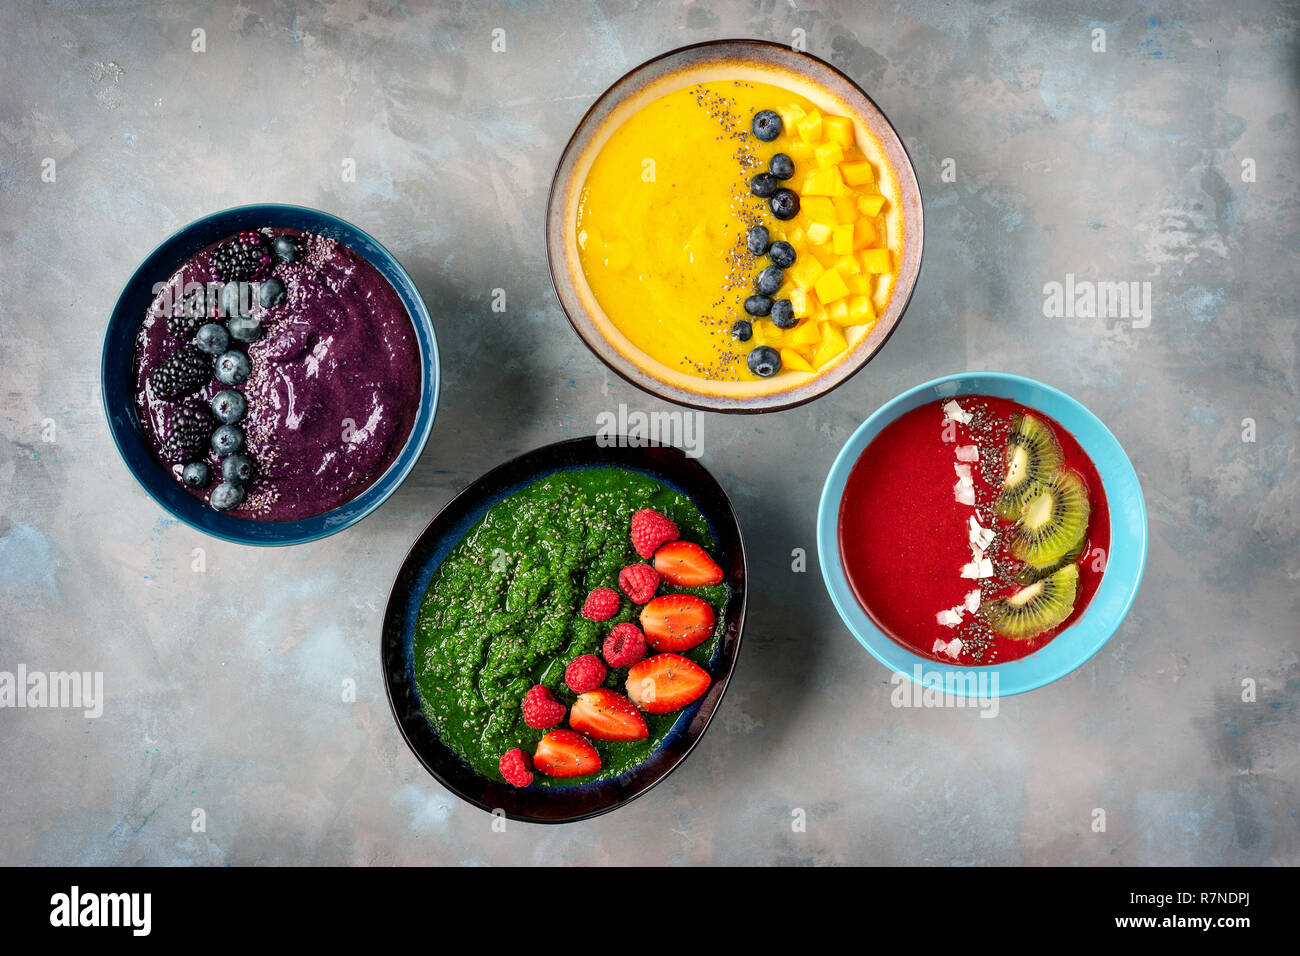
(755, 61)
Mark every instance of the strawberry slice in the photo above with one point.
(676, 622)
(605, 714)
(666, 682)
(563, 753)
(687, 565)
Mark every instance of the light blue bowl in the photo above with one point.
(1119, 585)
(116, 374)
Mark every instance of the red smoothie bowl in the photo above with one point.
(924, 576)
(331, 359)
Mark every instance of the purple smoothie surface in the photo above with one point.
(335, 384)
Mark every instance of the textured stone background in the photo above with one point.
(223, 687)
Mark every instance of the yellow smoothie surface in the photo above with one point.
(663, 215)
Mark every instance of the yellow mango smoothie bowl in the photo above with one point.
(735, 226)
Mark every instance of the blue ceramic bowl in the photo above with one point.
(116, 374)
(1128, 537)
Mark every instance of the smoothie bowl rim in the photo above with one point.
(117, 380)
(475, 499)
(777, 400)
(1073, 646)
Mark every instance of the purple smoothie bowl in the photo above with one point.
(287, 521)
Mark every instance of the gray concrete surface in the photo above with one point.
(223, 686)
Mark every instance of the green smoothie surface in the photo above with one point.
(503, 612)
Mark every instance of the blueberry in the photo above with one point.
(212, 338)
(228, 406)
(237, 469)
(781, 253)
(781, 166)
(764, 361)
(763, 185)
(196, 474)
(769, 280)
(226, 495)
(285, 248)
(784, 204)
(270, 293)
(766, 125)
(227, 440)
(741, 330)
(758, 305)
(756, 240)
(244, 328)
(783, 314)
(236, 298)
(232, 367)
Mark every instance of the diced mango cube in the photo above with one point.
(830, 286)
(837, 312)
(824, 182)
(818, 209)
(842, 239)
(860, 310)
(799, 150)
(846, 210)
(848, 265)
(796, 237)
(858, 173)
(789, 116)
(832, 344)
(864, 234)
(819, 232)
(809, 127)
(804, 335)
(877, 261)
(838, 129)
(858, 283)
(827, 153)
(793, 360)
(806, 271)
(870, 205)
(799, 302)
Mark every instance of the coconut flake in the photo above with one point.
(939, 646)
(968, 453)
(954, 412)
(965, 494)
(950, 617)
(953, 648)
(963, 475)
(979, 567)
(980, 538)
(973, 600)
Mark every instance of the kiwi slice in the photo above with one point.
(1033, 456)
(1036, 608)
(1053, 521)
(1029, 573)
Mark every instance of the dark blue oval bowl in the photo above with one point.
(116, 374)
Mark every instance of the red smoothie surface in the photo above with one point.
(335, 384)
(904, 537)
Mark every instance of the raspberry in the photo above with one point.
(650, 529)
(601, 604)
(516, 767)
(585, 673)
(638, 582)
(541, 709)
(624, 645)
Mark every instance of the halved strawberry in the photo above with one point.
(687, 565)
(605, 714)
(676, 622)
(563, 753)
(666, 682)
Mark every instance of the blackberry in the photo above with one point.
(188, 315)
(185, 432)
(241, 259)
(183, 372)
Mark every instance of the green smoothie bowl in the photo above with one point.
(560, 636)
